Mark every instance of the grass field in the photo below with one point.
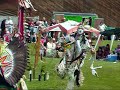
(109, 75)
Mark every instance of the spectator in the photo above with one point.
(36, 26)
(107, 50)
(90, 21)
(36, 23)
(45, 22)
(99, 53)
(45, 39)
(9, 24)
(3, 28)
(42, 48)
(31, 25)
(117, 50)
(16, 33)
(57, 21)
(102, 27)
(51, 47)
(34, 37)
(103, 52)
(53, 22)
(63, 20)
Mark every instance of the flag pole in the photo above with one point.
(97, 41)
(112, 40)
(96, 45)
(37, 54)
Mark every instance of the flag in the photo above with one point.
(21, 3)
(21, 21)
(24, 3)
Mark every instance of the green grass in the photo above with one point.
(109, 75)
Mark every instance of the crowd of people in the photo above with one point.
(50, 42)
(104, 51)
(32, 27)
(8, 30)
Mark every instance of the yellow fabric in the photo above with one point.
(67, 46)
(2, 48)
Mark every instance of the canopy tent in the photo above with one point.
(67, 27)
(70, 26)
(89, 29)
(110, 31)
(56, 29)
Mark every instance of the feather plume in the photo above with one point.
(20, 58)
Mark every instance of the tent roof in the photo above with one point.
(111, 30)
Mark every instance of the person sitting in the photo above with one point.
(51, 47)
(42, 48)
(117, 50)
(99, 53)
(107, 50)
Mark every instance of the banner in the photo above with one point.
(20, 22)
(112, 40)
(74, 18)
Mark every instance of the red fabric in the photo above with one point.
(7, 37)
(94, 30)
(42, 41)
(20, 22)
(51, 27)
(74, 29)
(31, 23)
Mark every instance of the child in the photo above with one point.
(34, 37)
(42, 48)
